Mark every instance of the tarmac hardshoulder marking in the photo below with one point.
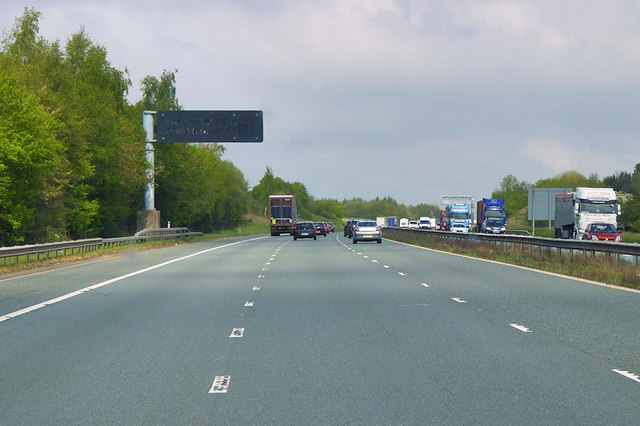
(116, 279)
(554, 274)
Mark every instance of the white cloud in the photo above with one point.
(556, 156)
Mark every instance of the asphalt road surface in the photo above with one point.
(268, 330)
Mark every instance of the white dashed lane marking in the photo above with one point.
(521, 328)
(220, 384)
(237, 332)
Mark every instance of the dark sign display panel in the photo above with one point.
(209, 126)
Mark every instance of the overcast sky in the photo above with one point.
(408, 99)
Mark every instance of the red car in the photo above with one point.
(601, 232)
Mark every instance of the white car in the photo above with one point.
(414, 224)
(460, 228)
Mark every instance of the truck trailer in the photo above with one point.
(283, 214)
(576, 210)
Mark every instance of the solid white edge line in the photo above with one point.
(116, 279)
(553, 274)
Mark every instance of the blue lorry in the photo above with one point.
(458, 217)
(492, 216)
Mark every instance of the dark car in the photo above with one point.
(352, 224)
(346, 227)
(493, 226)
(601, 232)
(320, 228)
(304, 230)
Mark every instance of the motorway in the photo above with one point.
(267, 330)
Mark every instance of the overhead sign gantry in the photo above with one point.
(192, 127)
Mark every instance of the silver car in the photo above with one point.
(366, 230)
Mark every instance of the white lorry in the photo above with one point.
(576, 210)
(404, 222)
(427, 222)
(381, 221)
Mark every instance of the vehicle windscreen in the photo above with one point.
(602, 208)
(460, 216)
(493, 213)
(608, 228)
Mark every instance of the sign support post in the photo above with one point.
(149, 217)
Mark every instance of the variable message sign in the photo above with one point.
(208, 126)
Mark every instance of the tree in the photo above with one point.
(31, 167)
(514, 192)
(620, 182)
(569, 179)
(159, 93)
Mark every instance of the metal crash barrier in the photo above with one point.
(529, 244)
(46, 251)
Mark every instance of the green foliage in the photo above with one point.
(514, 192)
(159, 94)
(31, 164)
(629, 186)
(101, 135)
(197, 189)
(72, 162)
(570, 179)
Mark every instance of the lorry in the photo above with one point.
(459, 216)
(381, 221)
(283, 214)
(426, 222)
(392, 221)
(576, 210)
(491, 215)
(404, 222)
